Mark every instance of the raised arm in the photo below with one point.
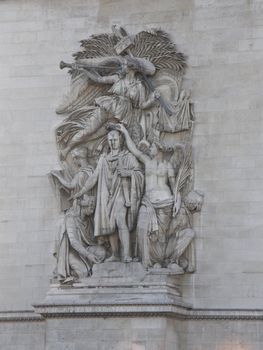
(131, 145)
(90, 183)
(94, 75)
(70, 185)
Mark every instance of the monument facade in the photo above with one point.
(153, 238)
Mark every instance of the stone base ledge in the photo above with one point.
(50, 311)
(118, 284)
(20, 316)
(224, 314)
(178, 312)
(121, 290)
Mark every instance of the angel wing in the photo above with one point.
(79, 103)
(75, 123)
(156, 46)
(83, 91)
(99, 45)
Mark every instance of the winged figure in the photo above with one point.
(133, 80)
(131, 85)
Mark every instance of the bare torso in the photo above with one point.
(156, 180)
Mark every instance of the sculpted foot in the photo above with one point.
(127, 259)
(68, 280)
(175, 268)
(157, 266)
(112, 258)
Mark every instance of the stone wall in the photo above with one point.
(224, 44)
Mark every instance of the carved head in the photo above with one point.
(115, 140)
(152, 149)
(194, 201)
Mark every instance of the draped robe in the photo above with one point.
(111, 190)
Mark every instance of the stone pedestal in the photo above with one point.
(127, 297)
(116, 288)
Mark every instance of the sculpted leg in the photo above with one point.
(178, 244)
(142, 237)
(114, 243)
(124, 236)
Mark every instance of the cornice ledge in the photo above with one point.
(150, 310)
(20, 316)
(225, 314)
(146, 310)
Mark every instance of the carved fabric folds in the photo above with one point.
(152, 230)
(110, 198)
(72, 238)
(124, 101)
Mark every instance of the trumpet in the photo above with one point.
(63, 65)
(77, 65)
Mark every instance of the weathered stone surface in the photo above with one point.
(115, 289)
(222, 42)
(128, 131)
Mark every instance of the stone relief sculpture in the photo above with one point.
(75, 248)
(128, 129)
(119, 181)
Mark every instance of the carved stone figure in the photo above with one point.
(75, 248)
(139, 201)
(120, 183)
(161, 201)
(125, 101)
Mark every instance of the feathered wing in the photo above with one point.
(80, 102)
(75, 123)
(99, 50)
(82, 93)
(100, 45)
(83, 90)
(156, 46)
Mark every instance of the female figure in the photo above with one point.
(160, 203)
(126, 100)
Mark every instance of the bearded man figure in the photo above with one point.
(76, 249)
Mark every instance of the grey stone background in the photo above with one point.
(224, 44)
(223, 40)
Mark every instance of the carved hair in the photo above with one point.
(194, 201)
